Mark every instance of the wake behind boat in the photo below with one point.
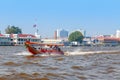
(42, 48)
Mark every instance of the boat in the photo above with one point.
(42, 48)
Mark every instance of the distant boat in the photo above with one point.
(42, 48)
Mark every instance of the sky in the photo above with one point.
(97, 17)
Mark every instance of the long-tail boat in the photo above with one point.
(43, 48)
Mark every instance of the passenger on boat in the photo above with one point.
(57, 48)
(43, 50)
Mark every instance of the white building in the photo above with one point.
(118, 33)
(19, 39)
(5, 40)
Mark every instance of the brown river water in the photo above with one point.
(78, 63)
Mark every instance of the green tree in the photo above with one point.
(76, 36)
(13, 29)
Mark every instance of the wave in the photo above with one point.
(24, 53)
(67, 53)
(78, 52)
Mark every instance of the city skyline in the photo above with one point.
(95, 16)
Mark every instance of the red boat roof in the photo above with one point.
(23, 35)
(26, 35)
(1, 35)
(43, 44)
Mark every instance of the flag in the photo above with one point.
(34, 25)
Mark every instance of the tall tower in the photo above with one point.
(55, 35)
(58, 33)
(61, 33)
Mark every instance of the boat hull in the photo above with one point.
(35, 51)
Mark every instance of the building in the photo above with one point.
(87, 41)
(109, 41)
(17, 39)
(118, 33)
(55, 35)
(61, 33)
(5, 40)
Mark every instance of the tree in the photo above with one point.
(13, 29)
(76, 36)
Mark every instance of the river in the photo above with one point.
(78, 63)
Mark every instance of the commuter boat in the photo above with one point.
(36, 48)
